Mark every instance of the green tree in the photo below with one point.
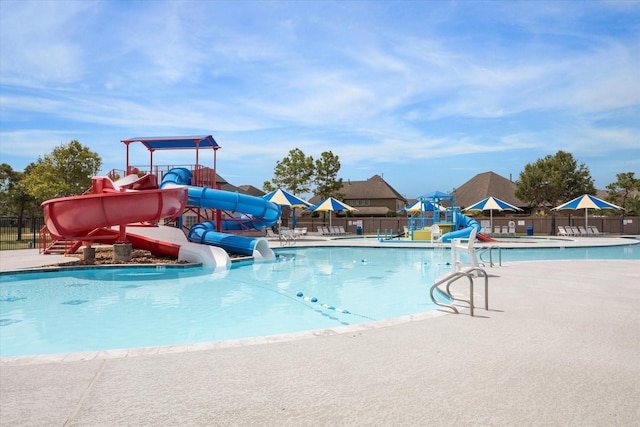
(326, 176)
(624, 192)
(554, 179)
(66, 171)
(293, 173)
(14, 200)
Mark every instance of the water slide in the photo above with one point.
(462, 225)
(262, 212)
(77, 217)
(97, 218)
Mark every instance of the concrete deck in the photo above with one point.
(560, 345)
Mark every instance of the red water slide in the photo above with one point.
(79, 217)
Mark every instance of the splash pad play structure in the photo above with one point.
(135, 212)
(440, 220)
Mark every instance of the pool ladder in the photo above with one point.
(490, 251)
(453, 277)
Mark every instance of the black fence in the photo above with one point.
(19, 234)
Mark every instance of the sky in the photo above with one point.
(427, 94)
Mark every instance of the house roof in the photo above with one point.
(373, 188)
(484, 185)
(251, 190)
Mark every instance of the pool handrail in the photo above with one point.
(453, 277)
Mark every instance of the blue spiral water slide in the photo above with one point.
(462, 225)
(263, 213)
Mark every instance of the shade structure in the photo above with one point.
(586, 202)
(331, 205)
(284, 198)
(422, 206)
(492, 204)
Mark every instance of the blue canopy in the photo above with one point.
(586, 202)
(175, 142)
(435, 195)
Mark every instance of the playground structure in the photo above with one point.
(135, 212)
(440, 220)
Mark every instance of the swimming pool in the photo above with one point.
(307, 288)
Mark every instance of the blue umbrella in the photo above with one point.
(331, 205)
(492, 204)
(586, 202)
(283, 198)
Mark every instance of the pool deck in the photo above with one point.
(560, 345)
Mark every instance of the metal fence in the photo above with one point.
(16, 234)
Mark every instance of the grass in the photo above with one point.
(9, 239)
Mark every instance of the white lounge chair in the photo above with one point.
(287, 236)
(512, 228)
(593, 230)
(496, 230)
(270, 233)
(562, 231)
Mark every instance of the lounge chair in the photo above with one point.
(562, 231)
(593, 231)
(496, 230)
(341, 230)
(286, 236)
(270, 233)
(505, 230)
(512, 228)
(583, 231)
(324, 231)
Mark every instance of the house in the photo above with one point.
(251, 190)
(373, 197)
(484, 185)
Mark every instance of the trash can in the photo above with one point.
(359, 230)
(530, 230)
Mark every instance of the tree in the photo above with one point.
(14, 200)
(66, 171)
(293, 173)
(325, 178)
(554, 179)
(623, 192)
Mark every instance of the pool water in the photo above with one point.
(314, 288)
(307, 288)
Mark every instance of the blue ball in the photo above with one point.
(299, 294)
(314, 299)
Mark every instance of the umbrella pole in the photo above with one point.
(586, 219)
(491, 222)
